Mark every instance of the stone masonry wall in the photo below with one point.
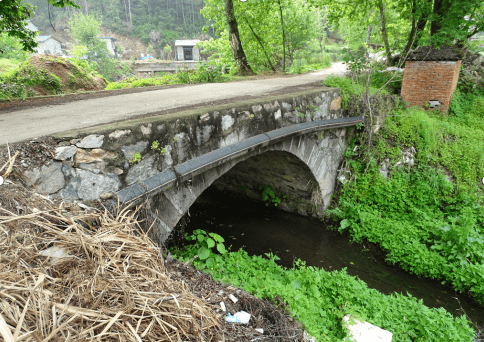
(95, 163)
(424, 81)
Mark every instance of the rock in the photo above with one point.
(146, 130)
(227, 122)
(117, 171)
(106, 195)
(131, 150)
(65, 152)
(119, 133)
(64, 143)
(96, 155)
(69, 193)
(24, 164)
(33, 175)
(91, 141)
(336, 103)
(366, 332)
(49, 179)
(384, 168)
(141, 171)
(96, 167)
(74, 141)
(92, 186)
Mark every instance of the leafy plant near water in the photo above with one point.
(270, 196)
(203, 244)
(320, 299)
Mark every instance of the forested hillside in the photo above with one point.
(155, 21)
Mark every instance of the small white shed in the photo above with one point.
(185, 50)
(49, 46)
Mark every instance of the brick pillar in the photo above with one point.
(424, 81)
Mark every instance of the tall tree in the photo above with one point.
(234, 39)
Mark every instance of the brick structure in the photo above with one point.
(431, 75)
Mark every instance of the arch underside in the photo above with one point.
(311, 163)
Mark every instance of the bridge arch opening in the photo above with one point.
(290, 178)
(240, 189)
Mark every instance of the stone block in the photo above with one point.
(366, 332)
(65, 152)
(130, 150)
(91, 141)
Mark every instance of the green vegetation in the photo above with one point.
(351, 88)
(270, 196)
(205, 73)
(92, 52)
(320, 299)
(136, 158)
(426, 224)
(21, 83)
(157, 147)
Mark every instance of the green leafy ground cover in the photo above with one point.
(427, 224)
(320, 299)
(210, 72)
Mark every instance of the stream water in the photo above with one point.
(259, 229)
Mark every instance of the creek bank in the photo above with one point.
(259, 229)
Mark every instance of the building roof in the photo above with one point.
(30, 26)
(428, 53)
(112, 38)
(187, 42)
(42, 39)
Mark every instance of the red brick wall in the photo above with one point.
(430, 80)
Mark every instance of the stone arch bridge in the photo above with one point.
(292, 142)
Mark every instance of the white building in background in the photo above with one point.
(49, 46)
(185, 50)
(110, 44)
(31, 27)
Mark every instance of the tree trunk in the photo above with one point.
(130, 18)
(283, 38)
(384, 33)
(85, 4)
(262, 46)
(234, 39)
(183, 14)
(435, 26)
(126, 10)
(368, 35)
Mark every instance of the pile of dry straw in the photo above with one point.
(109, 285)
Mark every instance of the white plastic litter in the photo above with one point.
(366, 332)
(1, 180)
(232, 298)
(240, 317)
(222, 305)
(55, 254)
(259, 330)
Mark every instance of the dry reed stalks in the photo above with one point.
(110, 284)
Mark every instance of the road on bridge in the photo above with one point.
(45, 120)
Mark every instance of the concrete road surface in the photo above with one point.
(40, 121)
